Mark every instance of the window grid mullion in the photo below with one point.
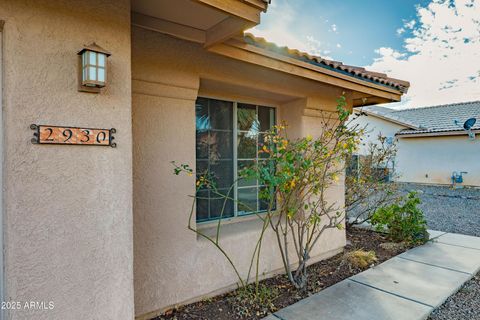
(208, 162)
(256, 157)
(96, 67)
(235, 161)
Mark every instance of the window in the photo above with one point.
(227, 140)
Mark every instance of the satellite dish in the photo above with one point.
(469, 123)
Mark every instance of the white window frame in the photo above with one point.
(235, 132)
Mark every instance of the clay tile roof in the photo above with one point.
(442, 118)
(357, 72)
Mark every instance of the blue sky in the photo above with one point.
(434, 44)
(359, 27)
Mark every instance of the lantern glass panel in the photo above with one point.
(101, 60)
(101, 74)
(92, 58)
(92, 73)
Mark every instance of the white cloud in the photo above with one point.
(410, 24)
(338, 45)
(284, 31)
(389, 52)
(333, 27)
(400, 31)
(279, 31)
(442, 57)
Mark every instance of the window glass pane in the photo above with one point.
(266, 117)
(247, 118)
(202, 119)
(202, 167)
(264, 200)
(221, 145)
(247, 200)
(221, 114)
(214, 152)
(101, 74)
(92, 73)
(84, 58)
(101, 60)
(261, 143)
(221, 173)
(92, 58)
(202, 145)
(219, 202)
(202, 205)
(247, 146)
(242, 165)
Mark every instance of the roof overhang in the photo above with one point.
(203, 21)
(238, 49)
(219, 26)
(434, 134)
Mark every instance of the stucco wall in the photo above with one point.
(433, 160)
(373, 128)
(172, 265)
(68, 210)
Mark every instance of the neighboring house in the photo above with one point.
(78, 230)
(432, 143)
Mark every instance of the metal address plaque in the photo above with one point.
(44, 134)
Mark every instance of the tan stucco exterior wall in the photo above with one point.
(433, 160)
(68, 209)
(171, 265)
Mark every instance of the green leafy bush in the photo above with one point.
(403, 221)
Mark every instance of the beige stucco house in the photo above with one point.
(95, 232)
(432, 143)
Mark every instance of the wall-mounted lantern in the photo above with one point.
(93, 68)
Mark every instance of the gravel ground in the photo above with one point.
(450, 210)
(465, 305)
(446, 209)
(457, 211)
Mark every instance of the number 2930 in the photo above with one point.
(73, 135)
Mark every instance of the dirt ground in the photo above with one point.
(277, 292)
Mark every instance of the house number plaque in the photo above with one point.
(44, 134)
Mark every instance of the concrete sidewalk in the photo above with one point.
(408, 286)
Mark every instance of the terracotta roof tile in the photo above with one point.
(353, 71)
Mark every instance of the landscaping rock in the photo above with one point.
(393, 246)
(465, 304)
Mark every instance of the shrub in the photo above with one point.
(360, 259)
(404, 222)
(368, 179)
(297, 174)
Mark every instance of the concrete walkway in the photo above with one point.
(408, 286)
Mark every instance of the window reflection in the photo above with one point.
(215, 136)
